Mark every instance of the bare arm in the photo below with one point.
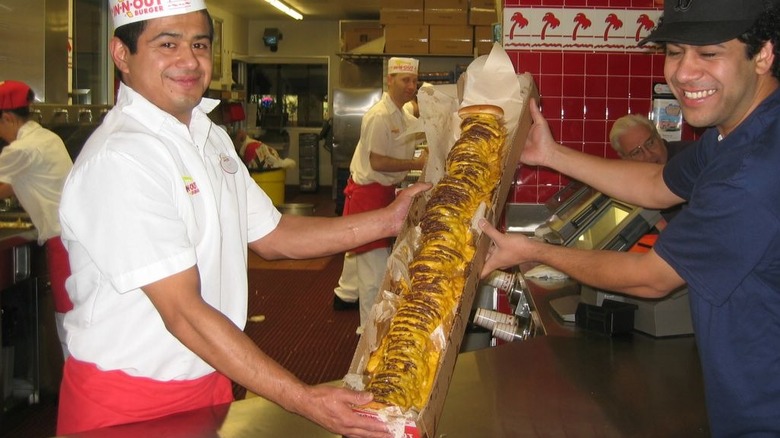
(634, 182)
(300, 237)
(214, 338)
(640, 274)
(383, 163)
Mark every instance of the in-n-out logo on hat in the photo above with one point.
(131, 11)
(402, 65)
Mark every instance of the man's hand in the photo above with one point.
(539, 145)
(331, 408)
(507, 250)
(400, 206)
(420, 161)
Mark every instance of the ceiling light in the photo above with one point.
(286, 9)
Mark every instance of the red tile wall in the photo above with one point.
(582, 94)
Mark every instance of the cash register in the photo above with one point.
(581, 217)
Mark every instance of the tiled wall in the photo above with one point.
(583, 93)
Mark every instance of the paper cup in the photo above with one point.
(507, 332)
(487, 318)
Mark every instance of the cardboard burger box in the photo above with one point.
(424, 423)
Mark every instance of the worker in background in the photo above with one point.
(722, 63)
(33, 168)
(636, 138)
(384, 155)
(158, 215)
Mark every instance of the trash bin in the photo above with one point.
(272, 183)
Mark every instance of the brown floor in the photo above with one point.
(314, 279)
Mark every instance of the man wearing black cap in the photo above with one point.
(722, 64)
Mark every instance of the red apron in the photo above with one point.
(369, 197)
(91, 399)
(59, 271)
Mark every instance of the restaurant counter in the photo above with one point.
(567, 383)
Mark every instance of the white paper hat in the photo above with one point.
(402, 65)
(131, 11)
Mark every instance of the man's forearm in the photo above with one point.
(219, 342)
(382, 163)
(641, 275)
(307, 237)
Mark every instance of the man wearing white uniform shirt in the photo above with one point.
(159, 282)
(33, 168)
(382, 158)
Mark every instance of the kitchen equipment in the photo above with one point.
(349, 106)
(587, 219)
(308, 153)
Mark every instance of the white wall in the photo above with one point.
(234, 42)
(303, 42)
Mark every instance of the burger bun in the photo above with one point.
(494, 110)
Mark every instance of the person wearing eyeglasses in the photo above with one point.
(636, 138)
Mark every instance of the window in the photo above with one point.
(289, 94)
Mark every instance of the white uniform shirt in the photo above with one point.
(147, 198)
(36, 165)
(382, 132)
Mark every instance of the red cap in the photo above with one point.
(13, 95)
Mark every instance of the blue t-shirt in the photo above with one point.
(726, 245)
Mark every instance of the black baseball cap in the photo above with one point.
(705, 22)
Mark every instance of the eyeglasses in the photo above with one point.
(649, 145)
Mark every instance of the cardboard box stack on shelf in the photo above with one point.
(449, 30)
(483, 39)
(355, 33)
(405, 32)
(446, 12)
(452, 40)
(401, 11)
(483, 13)
(436, 27)
(406, 39)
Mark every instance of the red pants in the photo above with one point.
(92, 399)
(59, 271)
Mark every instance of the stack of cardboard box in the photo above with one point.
(405, 31)
(450, 31)
(438, 27)
(357, 33)
(482, 15)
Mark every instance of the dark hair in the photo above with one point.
(22, 112)
(129, 33)
(766, 28)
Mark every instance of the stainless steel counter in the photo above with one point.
(569, 383)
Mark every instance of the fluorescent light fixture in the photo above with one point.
(286, 9)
